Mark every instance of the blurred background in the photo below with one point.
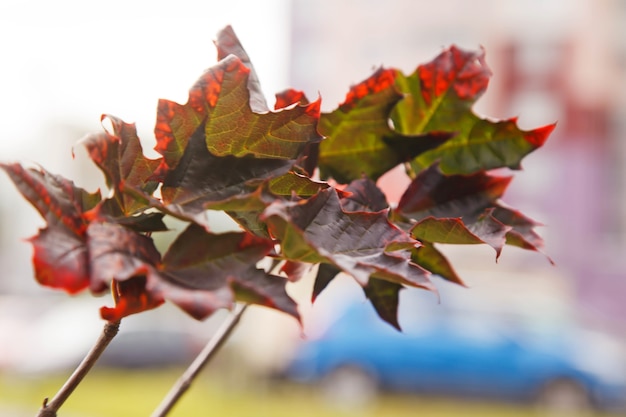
(65, 63)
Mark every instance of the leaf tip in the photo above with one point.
(537, 137)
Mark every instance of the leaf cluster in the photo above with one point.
(301, 184)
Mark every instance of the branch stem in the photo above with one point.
(185, 380)
(50, 408)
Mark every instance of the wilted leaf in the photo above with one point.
(438, 98)
(361, 244)
(360, 140)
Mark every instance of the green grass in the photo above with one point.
(136, 394)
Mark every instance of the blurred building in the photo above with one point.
(552, 61)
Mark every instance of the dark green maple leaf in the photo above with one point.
(438, 97)
(360, 140)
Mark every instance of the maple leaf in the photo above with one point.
(120, 258)
(361, 244)
(485, 229)
(384, 296)
(292, 183)
(202, 272)
(438, 97)
(202, 180)
(360, 140)
(227, 43)
(118, 253)
(130, 297)
(522, 233)
(464, 209)
(226, 150)
(120, 157)
(288, 97)
(325, 274)
(57, 199)
(364, 195)
(59, 257)
(220, 102)
(430, 258)
(433, 193)
(308, 159)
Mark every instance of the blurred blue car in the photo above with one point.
(464, 353)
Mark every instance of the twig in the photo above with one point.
(184, 382)
(50, 408)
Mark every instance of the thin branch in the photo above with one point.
(50, 408)
(184, 382)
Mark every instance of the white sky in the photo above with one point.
(68, 61)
